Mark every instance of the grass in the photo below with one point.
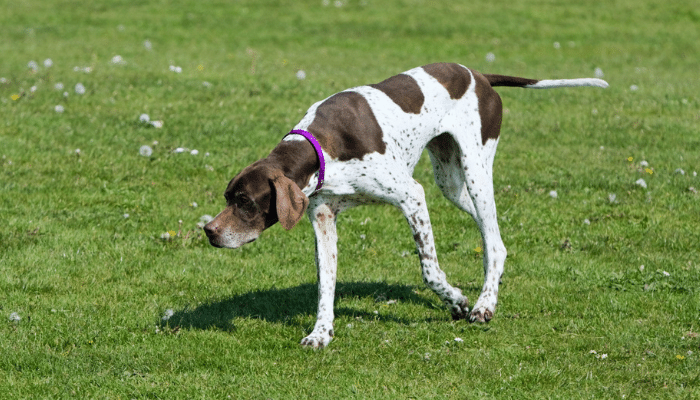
(84, 267)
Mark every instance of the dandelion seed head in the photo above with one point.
(118, 60)
(490, 57)
(168, 314)
(59, 109)
(557, 45)
(157, 124)
(301, 75)
(33, 65)
(79, 88)
(144, 118)
(58, 86)
(598, 73)
(145, 151)
(147, 44)
(634, 88)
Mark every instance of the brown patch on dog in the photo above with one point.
(346, 127)
(404, 91)
(453, 77)
(512, 81)
(490, 108)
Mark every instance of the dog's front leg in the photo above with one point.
(323, 220)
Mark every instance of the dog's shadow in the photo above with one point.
(292, 306)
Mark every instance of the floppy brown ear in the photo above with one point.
(291, 202)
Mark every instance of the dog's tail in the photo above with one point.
(513, 81)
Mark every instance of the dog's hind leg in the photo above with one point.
(413, 206)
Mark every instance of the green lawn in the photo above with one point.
(86, 275)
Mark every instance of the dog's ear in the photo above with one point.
(291, 202)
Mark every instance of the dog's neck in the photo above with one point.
(296, 159)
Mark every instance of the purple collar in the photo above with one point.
(319, 153)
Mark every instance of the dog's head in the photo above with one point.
(256, 198)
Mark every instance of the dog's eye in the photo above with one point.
(244, 203)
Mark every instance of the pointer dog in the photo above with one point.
(371, 139)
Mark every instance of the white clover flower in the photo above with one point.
(48, 63)
(33, 89)
(33, 65)
(3, 80)
(612, 197)
(679, 171)
(598, 73)
(665, 273)
(77, 151)
(490, 57)
(557, 45)
(59, 109)
(587, 221)
(157, 124)
(641, 268)
(147, 44)
(79, 88)
(301, 75)
(179, 150)
(144, 118)
(65, 94)
(203, 220)
(206, 84)
(634, 88)
(58, 86)
(14, 317)
(603, 356)
(176, 69)
(194, 152)
(168, 313)
(553, 194)
(643, 164)
(126, 215)
(641, 182)
(194, 204)
(165, 236)
(145, 151)
(459, 340)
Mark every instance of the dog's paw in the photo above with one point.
(480, 314)
(460, 310)
(317, 340)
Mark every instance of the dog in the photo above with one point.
(360, 146)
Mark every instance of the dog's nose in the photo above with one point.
(211, 228)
